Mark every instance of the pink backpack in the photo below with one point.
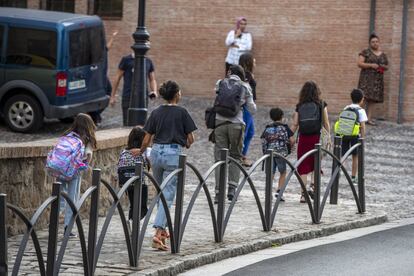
(65, 160)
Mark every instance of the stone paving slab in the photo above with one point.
(243, 235)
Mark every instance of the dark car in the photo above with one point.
(52, 64)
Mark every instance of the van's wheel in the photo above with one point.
(23, 113)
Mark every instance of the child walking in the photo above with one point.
(126, 169)
(71, 155)
(279, 138)
(171, 128)
(351, 126)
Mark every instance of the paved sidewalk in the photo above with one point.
(244, 234)
(389, 174)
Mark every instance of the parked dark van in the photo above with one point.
(52, 64)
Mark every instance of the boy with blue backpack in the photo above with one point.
(279, 138)
(351, 126)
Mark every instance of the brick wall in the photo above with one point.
(294, 41)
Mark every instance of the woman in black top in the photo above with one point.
(248, 63)
(171, 128)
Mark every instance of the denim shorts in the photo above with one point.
(280, 164)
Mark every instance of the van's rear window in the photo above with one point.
(31, 47)
(86, 46)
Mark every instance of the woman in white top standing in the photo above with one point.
(239, 42)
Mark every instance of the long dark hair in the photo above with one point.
(135, 138)
(309, 93)
(246, 61)
(84, 126)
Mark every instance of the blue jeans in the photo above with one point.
(72, 188)
(164, 160)
(249, 131)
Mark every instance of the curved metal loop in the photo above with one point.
(334, 175)
(203, 185)
(115, 205)
(75, 216)
(247, 177)
(293, 171)
(30, 229)
(160, 195)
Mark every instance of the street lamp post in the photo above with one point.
(137, 111)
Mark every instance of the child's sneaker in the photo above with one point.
(282, 198)
(354, 179)
(71, 235)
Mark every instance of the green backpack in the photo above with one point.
(348, 123)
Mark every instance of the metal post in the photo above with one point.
(317, 182)
(268, 189)
(361, 174)
(136, 211)
(179, 201)
(335, 185)
(53, 229)
(93, 219)
(137, 112)
(3, 236)
(402, 62)
(222, 192)
(372, 16)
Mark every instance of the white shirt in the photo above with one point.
(244, 42)
(361, 112)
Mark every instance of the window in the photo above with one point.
(31, 47)
(61, 5)
(86, 46)
(13, 3)
(108, 8)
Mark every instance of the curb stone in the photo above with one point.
(234, 250)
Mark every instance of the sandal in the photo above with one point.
(246, 162)
(311, 192)
(164, 236)
(371, 123)
(302, 198)
(157, 241)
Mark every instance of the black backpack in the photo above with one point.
(228, 99)
(310, 118)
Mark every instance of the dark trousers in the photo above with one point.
(125, 106)
(144, 199)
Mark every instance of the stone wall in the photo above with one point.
(27, 185)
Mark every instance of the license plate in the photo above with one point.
(77, 84)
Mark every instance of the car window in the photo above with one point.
(31, 47)
(86, 46)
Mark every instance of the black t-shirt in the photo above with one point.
(127, 65)
(170, 124)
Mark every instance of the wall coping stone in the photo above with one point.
(109, 138)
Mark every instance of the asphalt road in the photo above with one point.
(389, 252)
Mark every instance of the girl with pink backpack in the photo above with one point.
(70, 157)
